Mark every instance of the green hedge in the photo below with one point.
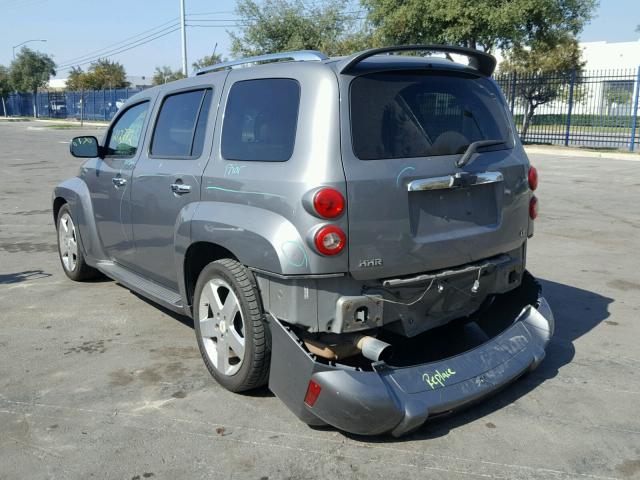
(580, 120)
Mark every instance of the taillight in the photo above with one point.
(328, 203)
(533, 178)
(313, 391)
(330, 240)
(533, 208)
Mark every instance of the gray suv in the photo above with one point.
(325, 222)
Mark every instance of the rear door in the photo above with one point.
(411, 209)
(167, 178)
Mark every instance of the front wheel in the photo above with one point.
(71, 256)
(230, 329)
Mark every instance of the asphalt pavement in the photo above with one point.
(96, 382)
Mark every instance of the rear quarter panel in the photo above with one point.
(255, 208)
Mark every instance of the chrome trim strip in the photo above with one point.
(458, 180)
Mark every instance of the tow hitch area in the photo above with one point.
(398, 395)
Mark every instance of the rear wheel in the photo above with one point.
(71, 256)
(230, 328)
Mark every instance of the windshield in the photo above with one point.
(404, 115)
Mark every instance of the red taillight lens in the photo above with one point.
(313, 392)
(533, 178)
(329, 203)
(330, 240)
(533, 208)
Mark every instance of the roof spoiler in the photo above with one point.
(480, 61)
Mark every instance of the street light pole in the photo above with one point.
(24, 43)
(184, 39)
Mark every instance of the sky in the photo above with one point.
(77, 31)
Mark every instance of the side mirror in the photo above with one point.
(85, 147)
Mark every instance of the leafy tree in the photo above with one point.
(206, 61)
(489, 24)
(281, 25)
(104, 74)
(5, 87)
(77, 80)
(30, 71)
(165, 74)
(619, 96)
(545, 74)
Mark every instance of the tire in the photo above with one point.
(69, 251)
(232, 336)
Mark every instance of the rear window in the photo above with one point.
(260, 120)
(180, 128)
(405, 115)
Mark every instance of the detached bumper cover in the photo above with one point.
(399, 400)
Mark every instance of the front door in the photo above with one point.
(166, 179)
(109, 179)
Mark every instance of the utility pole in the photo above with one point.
(184, 39)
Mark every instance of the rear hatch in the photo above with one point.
(411, 208)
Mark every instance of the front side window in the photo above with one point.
(260, 120)
(125, 133)
(405, 115)
(181, 125)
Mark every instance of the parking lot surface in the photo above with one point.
(96, 382)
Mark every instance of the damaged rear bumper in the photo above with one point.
(398, 400)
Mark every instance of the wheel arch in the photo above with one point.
(75, 193)
(197, 256)
(256, 237)
(58, 203)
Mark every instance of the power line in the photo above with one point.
(221, 26)
(107, 47)
(210, 13)
(18, 4)
(121, 50)
(108, 53)
(354, 15)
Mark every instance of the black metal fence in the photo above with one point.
(590, 109)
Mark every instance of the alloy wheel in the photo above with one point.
(68, 243)
(222, 326)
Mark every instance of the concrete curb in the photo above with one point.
(73, 123)
(579, 152)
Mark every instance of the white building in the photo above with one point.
(609, 80)
(135, 81)
(611, 55)
(616, 63)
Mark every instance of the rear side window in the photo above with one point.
(260, 120)
(181, 125)
(405, 115)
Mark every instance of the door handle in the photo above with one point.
(119, 182)
(180, 188)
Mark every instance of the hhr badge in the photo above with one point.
(372, 262)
